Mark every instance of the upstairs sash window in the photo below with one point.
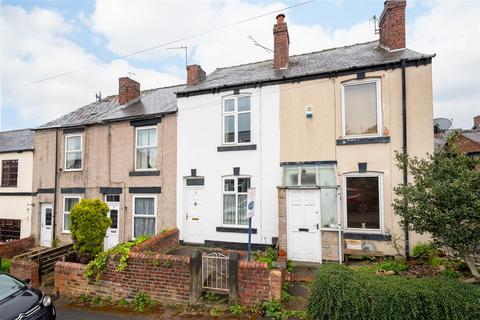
(73, 152)
(361, 108)
(146, 148)
(237, 120)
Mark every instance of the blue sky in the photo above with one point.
(44, 38)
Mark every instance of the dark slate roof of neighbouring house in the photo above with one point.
(472, 135)
(355, 56)
(16, 140)
(151, 103)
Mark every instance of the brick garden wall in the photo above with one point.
(25, 269)
(160, 244)
(13, 248)
(162, 277)
(257, 283)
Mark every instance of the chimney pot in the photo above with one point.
(280, 18)
(392, 25)
(281, 41)
(128, 90)
(195, 74)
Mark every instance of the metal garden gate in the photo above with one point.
(215, 271)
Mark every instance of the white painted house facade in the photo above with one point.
(16, 172)
(321, 159)
(227, 142)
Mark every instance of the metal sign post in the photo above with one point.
(250, 214)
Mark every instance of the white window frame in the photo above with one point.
(235, 113)
(379, 107)
(144, 215)
(236, 193)
(381, 205)
(72, 151)
(149, 146)
(67, 212)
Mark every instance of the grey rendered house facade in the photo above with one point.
(120, 149)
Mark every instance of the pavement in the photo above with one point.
(67, 312)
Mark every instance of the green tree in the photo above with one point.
(89, 224)
(443, 199)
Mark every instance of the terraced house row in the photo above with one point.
(315, 134)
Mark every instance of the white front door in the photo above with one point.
(194, 201)
(46, 232)
(112, 235)
(303, 225)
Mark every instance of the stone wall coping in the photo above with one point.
(252, 265)
(69, 265)
(159, 256)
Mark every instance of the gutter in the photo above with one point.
(405, 151)
(322, 75)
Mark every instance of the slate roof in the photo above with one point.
(16, 140)
(472, 135)
(152, 102)
(355, 56)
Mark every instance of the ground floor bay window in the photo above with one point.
(364, 201)
(235, 200)
(144, 221)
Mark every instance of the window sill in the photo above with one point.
(235, 230)
(366, 236)
(65, 232)
(363, 140)
(144, 173)
(72, 170)
(237, 147)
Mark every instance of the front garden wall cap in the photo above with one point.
(360, 55)
(151, 102)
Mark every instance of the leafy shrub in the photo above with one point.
(342, 293)
(290, 266)
(98, 265)
(236, 309)
(5, 265)
(216, 312)
(272, 308)
(285, 296)
(122, 302)
(269, 256)
(89, 224)
(83, 298)
(141, 301)
(424, 251)
(391, 265)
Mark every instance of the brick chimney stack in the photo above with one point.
(281, 41)
(476, 123)
(195, 74)
(128, 90)
(392, 25)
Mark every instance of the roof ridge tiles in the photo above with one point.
(297, 55)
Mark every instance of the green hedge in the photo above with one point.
(342, 293)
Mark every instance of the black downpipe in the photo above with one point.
(404, 150)
(55, 187)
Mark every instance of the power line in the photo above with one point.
(165, 44)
